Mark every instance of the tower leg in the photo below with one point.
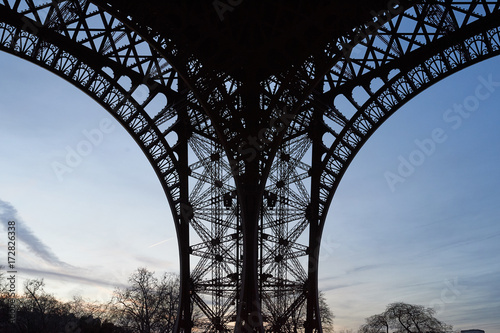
(184, 318)
(313, 317)
(250, 314)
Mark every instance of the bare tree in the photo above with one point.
(42, 306)
(325, 313)
(405, 318)
(149, 304)
(81, 307)
(376, 324)
(4, 301)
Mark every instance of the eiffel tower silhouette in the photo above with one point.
(260, 122)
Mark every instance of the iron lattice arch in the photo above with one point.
(250, 166)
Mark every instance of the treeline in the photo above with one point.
(147, 305)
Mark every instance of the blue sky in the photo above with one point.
(432, 238)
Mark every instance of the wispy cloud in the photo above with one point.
(79, 277)
(25, 235)
(163, 241)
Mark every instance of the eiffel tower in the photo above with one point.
(265, 104)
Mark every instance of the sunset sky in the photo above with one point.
(424, 233)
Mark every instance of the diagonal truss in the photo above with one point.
(423, 45)
(250, 167)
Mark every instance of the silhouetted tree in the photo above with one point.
(4, 301)
(326, 314)
(405, 318)
(40, 311)
(149, 304)
(376, 324)
(81, 307)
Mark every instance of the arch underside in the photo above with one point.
(201, 143)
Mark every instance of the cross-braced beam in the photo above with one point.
(250, 165)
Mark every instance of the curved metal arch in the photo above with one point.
(78, 41)
(212, 94)
(70, 21)
(379, 62)
(82, 43)
(382, 51)
(85, 67)
(66, 59)
(380, 44)
(441, 60)
(218, 94)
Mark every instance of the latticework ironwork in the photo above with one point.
(250, 164)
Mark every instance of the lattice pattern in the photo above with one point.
(95, 35)
(206, 138)
(445, 37)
